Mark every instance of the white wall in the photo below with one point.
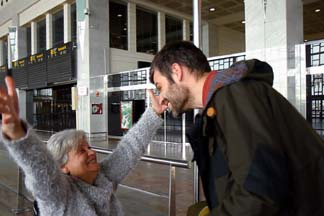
(123, 60)
(229, 41)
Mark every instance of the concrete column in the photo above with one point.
(22, 53)
(161, 30)
(93, 60)
(209, 39)
(20, 47)
(33, 32)
(67, 22)
(49, 31)
(9, 53)
(2, 58)
(186, 29)
(274, 33)
(131, 26)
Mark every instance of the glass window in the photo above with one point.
(41, 36)
(58, 28)
(28, 40)
(315, 48)
(118, 25)
(173, 29)
(5, 51)
(146, 31)
(73, 22)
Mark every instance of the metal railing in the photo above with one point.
(172, 163)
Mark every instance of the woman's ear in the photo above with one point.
(65, 169)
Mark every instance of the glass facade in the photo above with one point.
(317, 54)
(28, 40)
(52, 109)
(41, 36)
(5, 50)
(118, 25)
(58, 28)
(173, 29)
(73, 22)
(146, 31)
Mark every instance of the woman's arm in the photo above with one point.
(129, 150)
(43, 176)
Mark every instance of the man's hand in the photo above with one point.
(11, 124)
(157, 106)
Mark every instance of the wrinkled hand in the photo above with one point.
(157, 105)
(11, 124)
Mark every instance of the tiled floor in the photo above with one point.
(145, 192)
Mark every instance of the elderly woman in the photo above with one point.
(64, 176)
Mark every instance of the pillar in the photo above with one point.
(92, 64)
(274, 33)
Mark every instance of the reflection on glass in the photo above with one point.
(146, 31)
(58, 28)
(173, 29)
(73, 22)
(41, 36)
(28, 39)
(118, 25)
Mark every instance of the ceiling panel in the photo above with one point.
(313, 22)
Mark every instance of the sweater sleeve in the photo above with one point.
(43, 176)
(132, 146)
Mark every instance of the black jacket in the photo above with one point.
(256, 154)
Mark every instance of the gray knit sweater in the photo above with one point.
(59, 194)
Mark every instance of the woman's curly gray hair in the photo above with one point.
(61, 143)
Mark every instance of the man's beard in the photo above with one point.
(179, 99)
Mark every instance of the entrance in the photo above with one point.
(52, 109)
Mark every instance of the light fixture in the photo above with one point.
(305, 40)
(125, 29)
(212, 9)
(317, 10)
(243, 21)
(119, 15)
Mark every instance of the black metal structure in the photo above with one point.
(315, 101)
(315, 87)
(53, 109)
(19, 73)
(3, 72)
(37, 74)
(224, 63)
(60, 64)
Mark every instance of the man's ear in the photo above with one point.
(177, 72)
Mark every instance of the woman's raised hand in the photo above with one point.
(11, 123)
(157, 105)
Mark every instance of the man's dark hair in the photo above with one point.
(184, 53)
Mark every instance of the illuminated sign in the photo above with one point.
(37, 58)
(58, 51)
(3, 69)
(19, 64)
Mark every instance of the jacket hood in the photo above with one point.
(257, 70)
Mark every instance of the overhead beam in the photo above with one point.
(231, 18)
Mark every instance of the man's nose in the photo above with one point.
(91, 152)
